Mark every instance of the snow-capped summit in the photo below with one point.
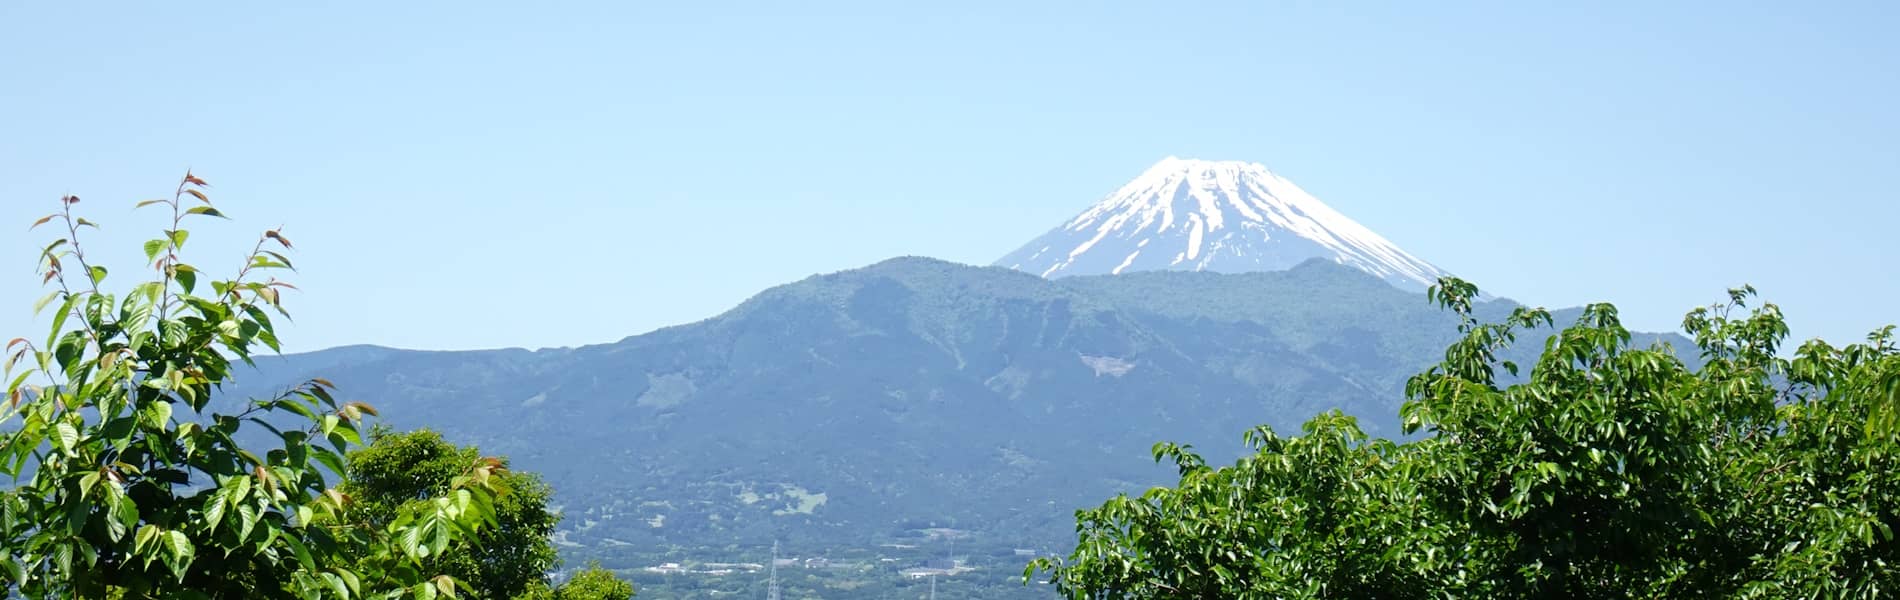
(1202, 215)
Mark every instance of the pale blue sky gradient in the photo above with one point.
(468, 175)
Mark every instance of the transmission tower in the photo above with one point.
(771, 586)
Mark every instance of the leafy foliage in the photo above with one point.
(128, 484)
(399, 469)
(592, 583)
(1610, 472)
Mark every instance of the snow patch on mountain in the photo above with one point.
(1226, 216)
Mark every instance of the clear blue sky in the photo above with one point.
(466, 175)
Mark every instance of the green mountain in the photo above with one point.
(915, 402)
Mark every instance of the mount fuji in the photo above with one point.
(1222, 216)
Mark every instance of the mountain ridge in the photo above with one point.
(909, 391)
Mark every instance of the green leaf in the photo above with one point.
(214, 509)
(69, 349)
(67, 436)
(301, 551)
(179, 545)
(350, 579)
(69, 352)
(40, 305)
(204, 210)
(89, 554)
(178, 237)
(124, 514)
(19, 379)
(336, 585)
(98, 275)
(439, 538)
(187, 278)
(152, 248)
(118, 432)
(59, 319)
(280, 258)
(159, 414)
(247, 521)
(181, 550)
(411, 540)
(240, 487)
(77, 514)
(151, 291)
(346, 432)
(329, 459)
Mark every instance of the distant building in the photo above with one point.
(667, 569)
